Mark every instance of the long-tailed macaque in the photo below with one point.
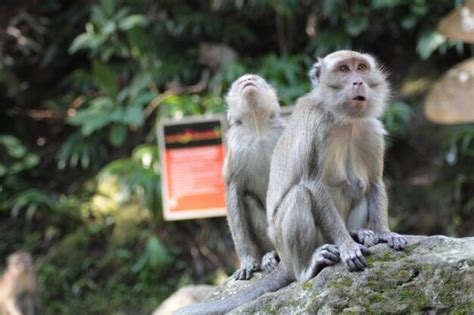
(255, 126)
(18, 293)
(326, 177)
(326, 174)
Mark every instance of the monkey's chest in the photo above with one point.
(346, 167)
(256, 166)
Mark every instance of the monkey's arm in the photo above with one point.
(378, 217)
(12, 307)
(240, 229)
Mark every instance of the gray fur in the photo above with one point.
(255, 128)
(325, 177)
(326, 170)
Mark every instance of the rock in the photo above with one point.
(433, 275)
(184, 296)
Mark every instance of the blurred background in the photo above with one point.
(82, 84)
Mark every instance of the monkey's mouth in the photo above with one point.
(359, 98)
(248, 84)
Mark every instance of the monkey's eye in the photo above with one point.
(344, 68)
(361, 67)
(238, 122)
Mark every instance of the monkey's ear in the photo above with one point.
(315, 72)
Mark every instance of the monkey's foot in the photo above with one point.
(323, 256)
(352, 255)
(247, 268)
(270, 260)
(394, 240)
(365, 237)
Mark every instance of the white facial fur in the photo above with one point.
(251, 95)
(351, 84)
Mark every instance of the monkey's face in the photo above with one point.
(352, 85)
(251, 97)
(19, 263)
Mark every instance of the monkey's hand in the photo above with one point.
(327, 255)
(270, 261)
(352, 255)
(365, 237)
(247, 268)
(394, 240)
(323, 256)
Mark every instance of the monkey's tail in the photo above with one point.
(272, 282)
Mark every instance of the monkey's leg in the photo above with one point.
(378, 217)
(300, 239)
(357, 222)
(241, 229)
(328, 218)
(30, 304)
(259, 222)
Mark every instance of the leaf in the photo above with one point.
(428, 43)
(132, 21)
(95, 117)
(105, 78)
(85, 40)
(357, 25)
(139, 82)
(133, 116)
(383, 4)
(117, 135)
(108, 6)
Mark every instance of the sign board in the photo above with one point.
(192, 155)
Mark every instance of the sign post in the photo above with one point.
(192, 155)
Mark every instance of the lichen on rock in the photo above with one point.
(434, 274)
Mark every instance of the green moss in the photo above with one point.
(409, 249)
(463, 308)
(308, 285)
(344, 282)
(387, 256)
(413, 296)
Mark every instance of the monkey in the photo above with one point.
(18, 291)
(326, 171)
(255, 126)
(326, 178)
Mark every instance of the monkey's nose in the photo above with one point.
(357, 82)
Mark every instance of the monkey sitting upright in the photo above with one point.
(326, 173)
(18, 293)
(255, 126)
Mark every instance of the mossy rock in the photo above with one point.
(434, 275)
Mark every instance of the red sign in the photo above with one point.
(192, 156)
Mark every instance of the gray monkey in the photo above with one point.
(255, 126)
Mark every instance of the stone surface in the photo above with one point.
(183, 297)
(433, 275)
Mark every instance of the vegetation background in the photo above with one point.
(82, 84)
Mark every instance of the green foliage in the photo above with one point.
(30, 200)
(154, 257)
(460, 143)
(138, 175)
(77, 150)
(92, 78)
(102, 34)
(397, 118)
(15, 156)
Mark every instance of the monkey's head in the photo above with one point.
(351, 84)
(19, 263)
(251, 95)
